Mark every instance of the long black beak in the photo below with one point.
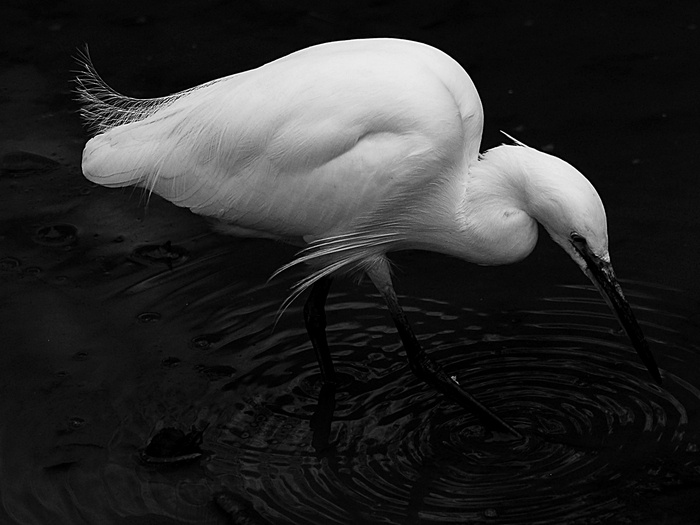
(601, 273)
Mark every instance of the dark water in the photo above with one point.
(119, 323)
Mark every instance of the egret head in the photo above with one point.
(560, 198)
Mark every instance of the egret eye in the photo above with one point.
(577, 239)
(581, 246)
(579, 242)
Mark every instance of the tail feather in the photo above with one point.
(138, 141)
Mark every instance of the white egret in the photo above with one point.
(354, 149)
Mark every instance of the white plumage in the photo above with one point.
(351, 149)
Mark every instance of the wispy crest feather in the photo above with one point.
(516, 141)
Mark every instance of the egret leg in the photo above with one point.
(320, 422)
(422, 365)
(315, 319)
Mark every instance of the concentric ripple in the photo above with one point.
(395, 452)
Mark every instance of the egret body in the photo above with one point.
(352, 150)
